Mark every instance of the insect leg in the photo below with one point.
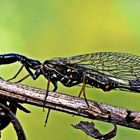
(18, 105)
(26, 62)
(30, 73)
(34, 76)
(84, 94)
(16, 74)
(46, 95)
(83, 89)
(25, 77)
(48, 113)
(54, 82)
(47, 117)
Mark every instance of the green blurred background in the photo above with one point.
(61, 28)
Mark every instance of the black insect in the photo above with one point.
(4, 119)
(104, 70)
(12, 105)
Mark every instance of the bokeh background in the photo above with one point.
(43, 29)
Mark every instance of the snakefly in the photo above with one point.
(104, 70)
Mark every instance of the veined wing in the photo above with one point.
(118, 66)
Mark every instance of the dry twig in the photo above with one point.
(70, 104)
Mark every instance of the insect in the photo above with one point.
(104, 70)
(12, 105)
(4, 119)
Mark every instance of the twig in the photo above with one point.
(89, 129)
(70, 104)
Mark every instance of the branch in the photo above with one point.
(70, 104)
(89, 129)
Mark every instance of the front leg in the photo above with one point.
(54, 82)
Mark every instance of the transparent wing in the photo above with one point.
(117, 66)
(122, 68)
